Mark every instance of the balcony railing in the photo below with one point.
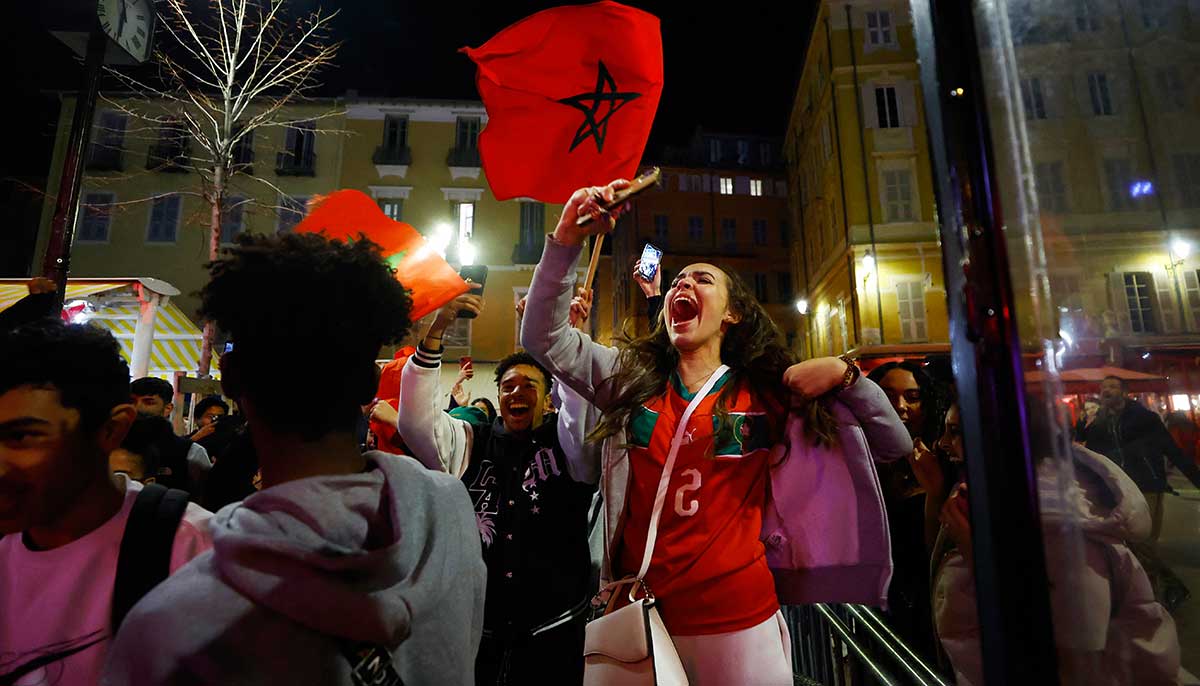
(102, 158)
(463, 157)
(398, 155)
(169, 157)
(288, 164)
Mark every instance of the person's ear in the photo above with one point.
(113, 431)
(168, 408)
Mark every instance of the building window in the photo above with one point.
(661, 228)
(695, 183)
(108, 140)
(95, 217)
(1187, 176)
(760, 231)
(887, 107)
(533, 224)
(242, 155)
(729, 231)
(785, 234)
(696, 229)
(164, 219)
(760, 287)
(1051, 187)
(299, 155)
(1170, 89)
(1191, 281)
(764, 154)
(1098, 89)
(1085, 16)
(291, 211)
(726, 186)
(714, 150)
(1138, 286)
(783, 282)
(897, 191)
(1154, 14)
(232, 218)
(1118, 178)
(743, 153)
(756, 187)
(1032, 98)
(466, 132)
(879, 28)
(395, 132)
(464, 214)
(393, 208)
(910, 301)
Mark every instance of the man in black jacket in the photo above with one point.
(1136, 439)
(532, 490)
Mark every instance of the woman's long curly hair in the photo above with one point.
(752, 348)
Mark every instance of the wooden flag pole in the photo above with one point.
(597, 246)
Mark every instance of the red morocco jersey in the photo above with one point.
(709, 570)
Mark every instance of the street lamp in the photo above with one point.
(441, 237)
(868, 265)
(466, 252)
(802, 305)
(1180, 250)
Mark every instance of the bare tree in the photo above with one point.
(225, 72)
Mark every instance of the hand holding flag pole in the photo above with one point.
(617, 204)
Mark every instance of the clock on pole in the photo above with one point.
(130, 24)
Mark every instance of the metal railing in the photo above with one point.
(851, 645)
(463, 157)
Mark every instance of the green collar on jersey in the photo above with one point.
(677, 384)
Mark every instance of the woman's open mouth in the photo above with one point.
(684, 310)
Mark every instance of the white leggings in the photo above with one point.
(758, 656)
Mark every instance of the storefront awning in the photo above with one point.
(12, 291)
(1087, 380)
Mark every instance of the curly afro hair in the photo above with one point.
(82, 363)
(307, 316)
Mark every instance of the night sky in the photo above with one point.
(732, 70)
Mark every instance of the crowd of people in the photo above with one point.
(381, 536)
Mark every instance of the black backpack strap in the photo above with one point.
(145, 558)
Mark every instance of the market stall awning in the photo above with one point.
(176, 345)
(1087, 379)
(11, 291)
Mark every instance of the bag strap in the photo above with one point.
(661, 497)
(145, 557)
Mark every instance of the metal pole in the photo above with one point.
(57, 262)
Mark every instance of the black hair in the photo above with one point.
(935, 400)
(491, 408)
(206, 403)
(149, 438)
(150, 385)
(1119, 380)
(522, 358)
(81, 362)
(288, 300)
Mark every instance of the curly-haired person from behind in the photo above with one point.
(342, 550)
(64, 409)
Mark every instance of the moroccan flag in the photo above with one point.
(570, 93)
(346, 214)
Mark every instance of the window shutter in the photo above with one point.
(1118, 303)
(1168, 310)
(870, 112)
(908, 104)
(708, 183)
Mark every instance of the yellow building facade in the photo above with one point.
(867, 260)
(418, 158)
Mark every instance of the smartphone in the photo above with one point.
(636, 187)
(477, 273)
(651, 256)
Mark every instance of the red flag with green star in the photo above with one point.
(348, 214)
(571, 94)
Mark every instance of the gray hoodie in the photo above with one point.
(390, 556)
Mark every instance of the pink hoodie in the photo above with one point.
(1107, 625)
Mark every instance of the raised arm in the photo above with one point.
(572, 357)
(885, 433)
(436, 439)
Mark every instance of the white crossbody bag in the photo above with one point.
(631, 646)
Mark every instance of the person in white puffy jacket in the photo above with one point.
(1107, 625)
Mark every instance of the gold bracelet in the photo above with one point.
(852, 372)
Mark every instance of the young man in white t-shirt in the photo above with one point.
(64, 406)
